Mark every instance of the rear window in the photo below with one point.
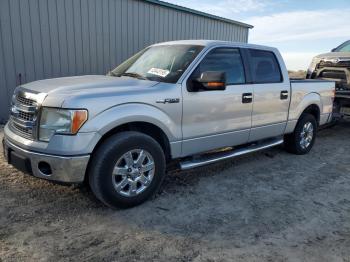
(264, 66)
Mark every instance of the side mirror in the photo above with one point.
(333, 49)
(211, 80)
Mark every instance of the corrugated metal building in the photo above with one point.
(52, 38)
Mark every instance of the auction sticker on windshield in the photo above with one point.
(158, 72)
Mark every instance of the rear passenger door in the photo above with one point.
(271, 95)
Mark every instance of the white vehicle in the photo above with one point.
(166, 104)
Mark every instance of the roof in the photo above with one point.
(201, 42)
(209, 43)
(192, 11)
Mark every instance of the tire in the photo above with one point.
(114, 169)
(299, 142)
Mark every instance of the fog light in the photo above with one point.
(45, 168)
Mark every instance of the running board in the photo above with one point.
(188, 164)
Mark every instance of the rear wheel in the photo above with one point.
(302, 139)
(127, 169)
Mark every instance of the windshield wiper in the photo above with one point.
(135, 75)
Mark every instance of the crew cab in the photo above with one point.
(178, 104)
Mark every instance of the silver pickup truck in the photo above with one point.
(182, 103)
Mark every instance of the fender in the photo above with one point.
(297, 106)
(134, 112)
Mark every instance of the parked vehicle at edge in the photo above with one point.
(182, 103)
(335, 66)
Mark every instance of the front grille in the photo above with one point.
(25, 101)
(22, 131)
(23, 114)
(322, 64)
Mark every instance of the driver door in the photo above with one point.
(220, 118)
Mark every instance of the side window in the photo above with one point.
(264, 66)
(226, 60)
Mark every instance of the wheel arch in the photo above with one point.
(310, 103)
(144, 118)
(313, 110)
(146, 128)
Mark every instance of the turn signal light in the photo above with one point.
(79, 118)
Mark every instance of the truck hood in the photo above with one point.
(334, 55)
(60, 89)
(78, 84)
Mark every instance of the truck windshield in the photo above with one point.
(344, 47)
(163, 63)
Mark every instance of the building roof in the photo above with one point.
(192, 11)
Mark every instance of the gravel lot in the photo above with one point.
(268, 206)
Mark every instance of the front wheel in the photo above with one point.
(303, 138)
(126, 169)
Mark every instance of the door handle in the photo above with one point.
(284, 95)
(247, 98)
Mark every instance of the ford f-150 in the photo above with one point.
(182, 103)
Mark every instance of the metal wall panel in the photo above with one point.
(52, 38)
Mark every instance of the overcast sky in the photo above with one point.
(300, 29)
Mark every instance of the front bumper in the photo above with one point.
(67, 169)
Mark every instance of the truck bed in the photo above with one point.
(303, 80)
(341, 105)
(320, 88)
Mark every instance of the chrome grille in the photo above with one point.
(22, 131)
(323, 64)
(24, 114)
(25, 101)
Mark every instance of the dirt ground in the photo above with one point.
(267, 206)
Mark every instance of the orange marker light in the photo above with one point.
(79, 118)
(215, 84)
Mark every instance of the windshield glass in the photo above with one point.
(163, 63)
(345, 47)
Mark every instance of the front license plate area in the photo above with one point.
(20, 162)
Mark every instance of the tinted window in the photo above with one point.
(226, 60)
(264, 66)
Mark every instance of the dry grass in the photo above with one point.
(297, 74)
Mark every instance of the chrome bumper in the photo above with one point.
(68, 169)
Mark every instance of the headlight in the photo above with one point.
(313, 65)
(60, 121)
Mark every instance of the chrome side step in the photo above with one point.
(188, 164)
